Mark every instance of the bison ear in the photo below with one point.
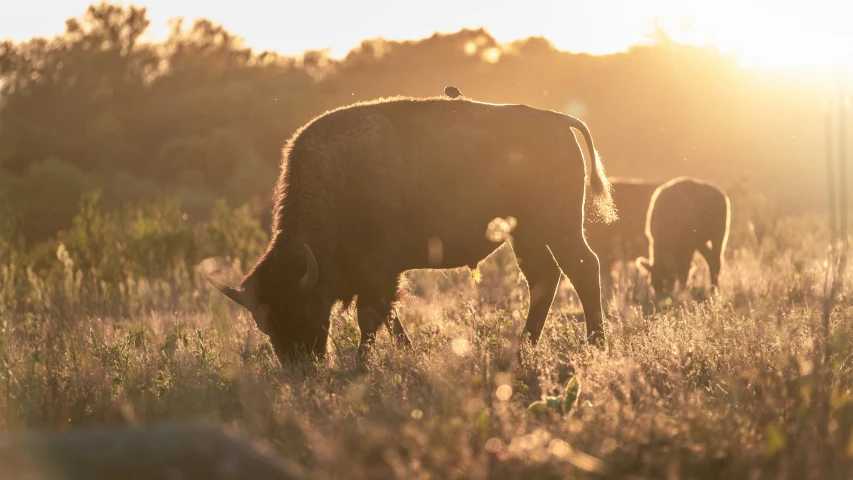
(643, 264)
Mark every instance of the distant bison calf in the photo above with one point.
(685, 215)
(625, 238)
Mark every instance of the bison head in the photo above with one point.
(288, 302)
(663, 277)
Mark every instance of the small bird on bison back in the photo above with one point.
(452, 92)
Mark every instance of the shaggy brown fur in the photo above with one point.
(625, 238)
(377, 188)
(685, 214)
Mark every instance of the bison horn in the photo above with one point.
(308, 281)
(230, 292)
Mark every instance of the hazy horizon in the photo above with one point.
(788, 36)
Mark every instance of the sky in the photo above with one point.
(762, 33)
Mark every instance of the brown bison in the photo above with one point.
(624, 238)
(685, 215)
(371, 190)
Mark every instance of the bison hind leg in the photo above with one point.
(543, 277)
(580, 264)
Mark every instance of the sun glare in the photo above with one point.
(778, 34)
(764, 49)
(802, 55)
(760, 33)
(491, 55)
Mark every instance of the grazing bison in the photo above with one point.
(624, 238)
(371, 190)
(685, 215)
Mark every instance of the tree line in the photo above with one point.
(201, 117)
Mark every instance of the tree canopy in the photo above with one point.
(201, 116)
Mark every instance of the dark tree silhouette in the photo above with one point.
(201, 116)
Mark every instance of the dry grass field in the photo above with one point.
(729, 387)
(134, 163)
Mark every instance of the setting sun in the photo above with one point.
(770, 34)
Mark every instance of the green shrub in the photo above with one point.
(109, 259)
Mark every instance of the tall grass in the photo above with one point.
(112, 323)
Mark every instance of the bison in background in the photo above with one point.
(625, 238)
(374, 189)
(685, 214)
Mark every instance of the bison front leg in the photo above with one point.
(373, 312)
(396, 329)
(683, 263)
(369, 321)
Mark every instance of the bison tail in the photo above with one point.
(598, 198)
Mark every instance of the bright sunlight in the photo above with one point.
(768, 34)
(760, 33)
